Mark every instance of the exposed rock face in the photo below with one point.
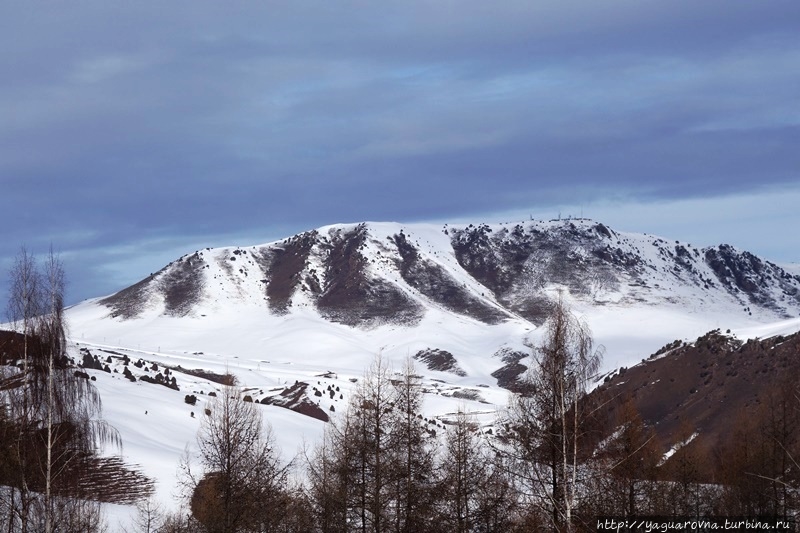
(508, 376)
(765, 284)
(353, 297)
(182, 285)
(285, 265)
(517, 263)
(440, 360)
(295, 398)
(433, 281)
(131, 301)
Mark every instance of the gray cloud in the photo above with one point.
(189, 122)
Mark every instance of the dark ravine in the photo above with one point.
(431, 280)
(350, 296)
(283, 265)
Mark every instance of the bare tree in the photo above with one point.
(242, 482)
(548, 423)
(373, 470)
(330, 471)
(52, 412)
(150, 517)
(412, 456)
(370, 414)
(625, 466)
(463, 469)
(24, 306)
(52, 332)
(475, 491)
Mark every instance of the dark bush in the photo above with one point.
(191, 399)
(91, 362)
(127, 373)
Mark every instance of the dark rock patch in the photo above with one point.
(432, 281)
(295, 399)
(744, 273)
(439, 360)
(182, 285)
(350, 297)
(468, 394)
(222, 379)
(508, 376)
(285, 270)
(515, 264)
(129, 302)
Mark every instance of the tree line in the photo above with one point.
(556, 460)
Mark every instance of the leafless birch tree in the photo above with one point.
(548, 422)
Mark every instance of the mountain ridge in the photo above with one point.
(367, 273)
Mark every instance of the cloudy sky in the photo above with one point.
(134, 132)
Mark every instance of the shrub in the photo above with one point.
(191, 399)
(127, 373)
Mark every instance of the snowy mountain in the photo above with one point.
(472, 292)
(297, 321)
(369, 274)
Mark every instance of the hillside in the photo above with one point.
(298, 320)
(361, 284)
(711, 388)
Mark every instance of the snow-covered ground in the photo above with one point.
(231, 329)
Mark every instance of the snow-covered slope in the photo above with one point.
(317, 307)
(364, 288)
